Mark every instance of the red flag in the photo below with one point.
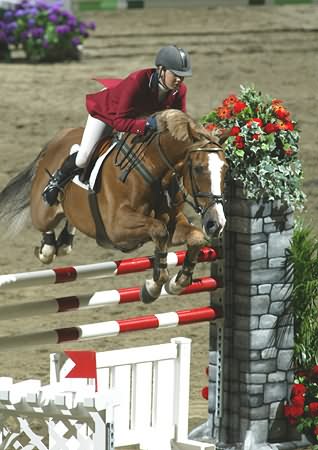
(85, 365)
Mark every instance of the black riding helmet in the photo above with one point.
(174, 59)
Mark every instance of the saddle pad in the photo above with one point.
(95, 171)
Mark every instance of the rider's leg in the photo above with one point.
(77, 160)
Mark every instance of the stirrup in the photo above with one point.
(54, 187)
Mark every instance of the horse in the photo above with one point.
(141, 196)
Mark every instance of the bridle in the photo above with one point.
(196, 193)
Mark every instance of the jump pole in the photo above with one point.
(97, 270)
(110, 328)
(96, 300)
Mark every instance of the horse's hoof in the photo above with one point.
(45, 259)
(172, 288)
(64, 250)
(145, 296)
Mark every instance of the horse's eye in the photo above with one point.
(199, 170)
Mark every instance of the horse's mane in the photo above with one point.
(183, 127)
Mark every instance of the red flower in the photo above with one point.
(271, 128)
(230, 100)
(223, 112)
(292, 412)
(288, 126)
(298, 400)
(315, 430)
(298, 389)
(256, 137)
(314, 371)
(239, 106)
(235, 131)
(276, 101)
(313, 409)
(239, 142)
(257, 120)
(288, 152)
(210, 126)
(280, 112)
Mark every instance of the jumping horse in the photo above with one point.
(141, 196)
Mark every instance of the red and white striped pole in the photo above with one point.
(97, 270)
(96, 300)
(110, 328)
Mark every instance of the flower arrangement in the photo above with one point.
(44, 31)
(261, 147)
(302, 411)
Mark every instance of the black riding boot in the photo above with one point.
(59, 179)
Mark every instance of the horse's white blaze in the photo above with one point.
(216, 166)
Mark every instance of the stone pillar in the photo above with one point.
(258, 326)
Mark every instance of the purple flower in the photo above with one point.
(32, 11)
(7, 16)
(37, 32)
(24, 36)
(53, 18)
(76, 41)
(3, 37)
(45, 43)
(31, 22)
(21, 13)
(11, 39)
(63, 29)
(11, 26)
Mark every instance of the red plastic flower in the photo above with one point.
(288, 151)
(223, 112)
(230, 100)
(292, 412)
(298, 400)
(298, 389)
(235, 131)
(256, 136)
(280, 112)
(239, 106)
(257, 120)
(276, 101)
(271, 128)
(210, 126)
(239, 142)
(313, 409)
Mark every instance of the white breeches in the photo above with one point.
(93, 131)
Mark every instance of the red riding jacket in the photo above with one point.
(124, 101)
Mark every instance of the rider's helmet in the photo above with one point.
(174, 59)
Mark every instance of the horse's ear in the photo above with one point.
(199, 132)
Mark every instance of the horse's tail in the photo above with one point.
(15, 199)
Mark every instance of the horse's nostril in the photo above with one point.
(210, 227)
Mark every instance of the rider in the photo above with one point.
(121, 105)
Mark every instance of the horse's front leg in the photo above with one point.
(195, 240)
(152, 288)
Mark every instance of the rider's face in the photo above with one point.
(171, 80)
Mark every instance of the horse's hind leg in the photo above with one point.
(64, 243)
(47, 251)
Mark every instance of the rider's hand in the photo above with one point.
(151, 124)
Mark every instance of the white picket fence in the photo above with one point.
(142, 400)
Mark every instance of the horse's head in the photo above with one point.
(203, 179)
(204, 167)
